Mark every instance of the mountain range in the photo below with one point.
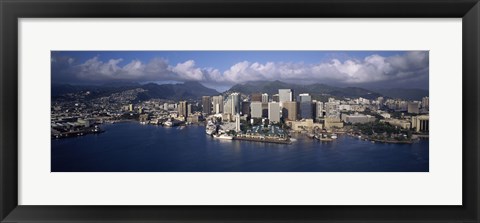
(194, 90)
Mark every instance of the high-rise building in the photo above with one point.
(413, 108)
(285, 95)
(265, 98)
(425, 102)
(319, 109)
(217, 104)
(237, 123)
(227, 107)
(256, 97)
(207, 105)
(274, 112)
(245, 108)
(182, 109)
(289, 110)
(256, 109)
(236, 103)
(305, 101)
(189, 109)
(275, 98)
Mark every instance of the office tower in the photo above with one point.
(227, 108)
(275, 98)
(256, 109)
(413, 108)
(274, 112)
(207, 105)
(265, 98)
(289, 110)
(217, 104)
(256, 97)
(319, 109)
(189, 109)
(237, 123)
(182, 108)
(305, 101)
(236, 103)
(285, 95)
(245, 108)
(425, 102)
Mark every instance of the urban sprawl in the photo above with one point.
(257, 117)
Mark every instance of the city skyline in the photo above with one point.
(222, 69)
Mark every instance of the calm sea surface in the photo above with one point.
(131, 147)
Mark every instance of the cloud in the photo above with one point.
(412, 65)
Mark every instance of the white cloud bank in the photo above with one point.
(374, 68)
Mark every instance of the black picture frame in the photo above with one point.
(11, 11)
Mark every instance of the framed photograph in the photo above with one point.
(124, 111)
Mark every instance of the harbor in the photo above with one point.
(130, 146)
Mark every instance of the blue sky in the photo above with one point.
(222, 69)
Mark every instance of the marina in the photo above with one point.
(130, 146)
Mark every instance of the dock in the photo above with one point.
(264, 140)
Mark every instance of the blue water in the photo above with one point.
(131, 147)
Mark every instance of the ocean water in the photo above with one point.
(131, 147)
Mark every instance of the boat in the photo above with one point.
(326, 139)
(334, 136)
(210, 128)
(168, 123)
(223, 136)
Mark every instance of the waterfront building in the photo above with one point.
(245, 108)
(358, 118)
(194, 118)
(319, 109)
(332, 122)
(274, 112)
(143, 118)
(289, 110)
(182, 109)
(332, 109)
(207, 105)
(130, 107)
(304, 125)
(413, 108)
(256, 109)
(217, 104)
(305, 101)
(264, 98)
(256, 97)
(285, 95)
(421, 123)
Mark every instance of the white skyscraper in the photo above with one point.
(274, 112)
(319, 109)
(265, 98)
(217, 104)
(256, 109)
(285, 95)
(237, 123)
(236, 103)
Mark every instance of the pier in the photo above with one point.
(264, 140)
